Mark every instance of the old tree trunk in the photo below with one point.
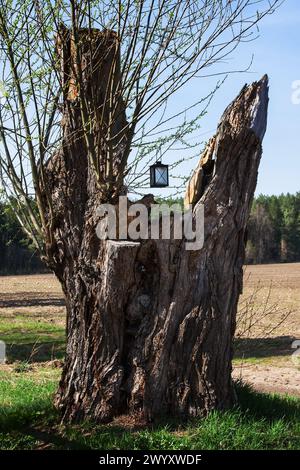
(150, 324)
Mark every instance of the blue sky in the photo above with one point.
(277, 53)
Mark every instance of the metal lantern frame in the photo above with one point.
(163, 171)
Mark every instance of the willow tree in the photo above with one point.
(86, 87)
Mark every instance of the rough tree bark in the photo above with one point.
(149, 324)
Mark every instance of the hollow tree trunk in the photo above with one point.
(150, 324)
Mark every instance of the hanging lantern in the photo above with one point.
(159, 175)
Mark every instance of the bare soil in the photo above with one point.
(270, 379)
(264, 354)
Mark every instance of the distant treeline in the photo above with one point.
(273, 235)
(17, 254)
(274, 229)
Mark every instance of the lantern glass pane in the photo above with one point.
(161, 176)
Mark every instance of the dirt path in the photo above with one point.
(270, 379)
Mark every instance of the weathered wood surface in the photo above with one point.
(149, 324)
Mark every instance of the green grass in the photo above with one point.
(264, 361)
(31, 339)
(26, 331)
(28, 420)
(25, 400)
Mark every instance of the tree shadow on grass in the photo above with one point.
(35, 352)
(53, 440)
(34, 300)
(263, 347)
(40, 423)
(269, 407)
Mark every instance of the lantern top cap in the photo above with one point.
(158, 163)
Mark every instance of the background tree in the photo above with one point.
(291, 226)
(111, 68)
(274, 229)
(17, 253)
(261, 235)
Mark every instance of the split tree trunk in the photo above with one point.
(149, 324)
